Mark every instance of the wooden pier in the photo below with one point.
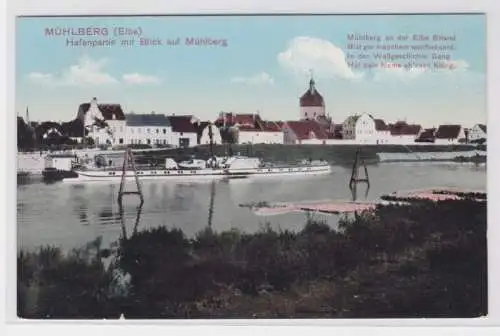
(336, 207)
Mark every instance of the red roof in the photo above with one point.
(182, 124)
(305, 129)
(312, 97)
(428, 133)
(246, 128)
(380, 125)
(270, 126)
(448, 131)
(246, 119)
(402, 128)
(109, 111)
(230, 119)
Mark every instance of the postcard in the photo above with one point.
(251, 167)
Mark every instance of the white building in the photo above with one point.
(149, 129)
(478, 132)
(382, 132)
(304, 132)
(205, 134)
(251, 136)
(450, 134)
(360, 128)
(184, 129)
(267, 132)
(52, 132)
(104, 122)
(403, 133)
(365, 129)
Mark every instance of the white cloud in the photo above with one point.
(321, 56)
(89, 72)
(139, 79)
(85, 72)
(456, 65)
(397, 71)
(261, 78)
(41, 78)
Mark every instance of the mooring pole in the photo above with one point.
(137, 220)
(211, 137)
(354, 192)
(129, 157)
(355, 171)
(122, 220)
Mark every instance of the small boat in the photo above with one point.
(58, 167)
(193, 164)
(197, 170)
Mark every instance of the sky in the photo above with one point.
(264, 67)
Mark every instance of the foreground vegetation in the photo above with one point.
(426, 259)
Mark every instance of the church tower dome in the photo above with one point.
(312, 104)
(312, 97)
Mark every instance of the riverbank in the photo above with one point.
(425, 259)
(34, 163)
(336, 154)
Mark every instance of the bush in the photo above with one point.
(423, 259)
(52, 285)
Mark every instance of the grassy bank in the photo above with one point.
(425, 259)
(286, 153)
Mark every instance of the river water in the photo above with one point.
(69, 215)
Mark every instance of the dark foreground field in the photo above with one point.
(422, 260)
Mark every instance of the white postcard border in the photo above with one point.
(102, 7)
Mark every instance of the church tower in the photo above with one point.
(312, 104)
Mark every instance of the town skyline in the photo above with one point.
(256, 71)
(262, 116)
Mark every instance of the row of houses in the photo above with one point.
(357, 129)
(107, 124)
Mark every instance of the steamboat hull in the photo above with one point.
(165, 175)
(197, 175)
(273, 172)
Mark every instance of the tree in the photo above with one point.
(25, 135)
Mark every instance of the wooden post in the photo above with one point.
(211, 137)
(129, 159)
(355, 172)
(354, 192)
(136, 224)
(211, 206)
(137, 219)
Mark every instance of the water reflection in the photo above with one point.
(106, 216)
(211, 206)
(355, 176)
(182, 196)
(81, 207)
(69, 215)
(354, 191)
(123, 221)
